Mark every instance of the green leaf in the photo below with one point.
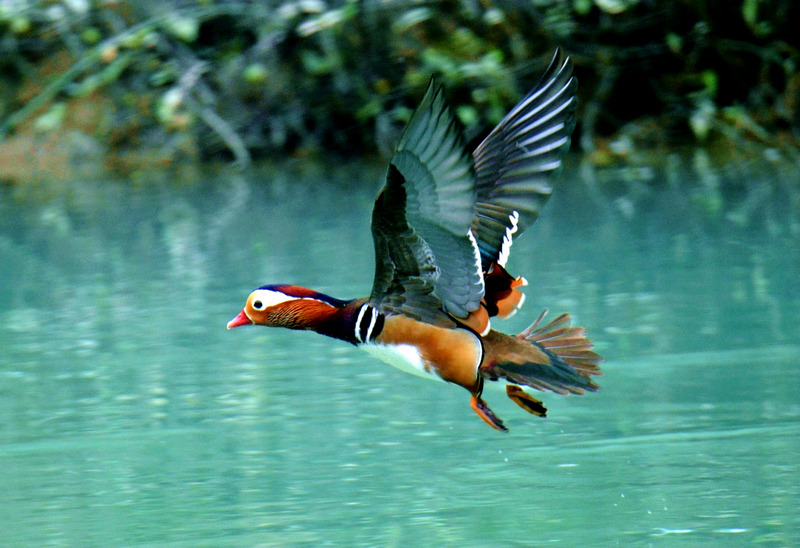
(674, 42)
(582, 7)
(255, 73)
(750, 12)
(369, 111)
(51, 119)
(183, 27)
(91, 35)
(467, 114)
(315, 63)
(411, 18)
(710, 81)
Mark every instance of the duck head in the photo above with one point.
(289, 306)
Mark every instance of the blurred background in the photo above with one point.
(138, 85)
(159, 160)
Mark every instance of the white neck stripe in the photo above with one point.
(372, 321)
(358, 322)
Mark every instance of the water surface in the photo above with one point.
(132, 417)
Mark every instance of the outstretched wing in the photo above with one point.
(515, 164)
(427, 261)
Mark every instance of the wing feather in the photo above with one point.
(427, 261)
(516, 163)
(444, 218)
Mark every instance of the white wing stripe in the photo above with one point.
(502, 257)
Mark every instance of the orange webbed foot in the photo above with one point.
(526, 401)
(483, 411)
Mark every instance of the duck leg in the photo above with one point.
(483, 411)
(526, 401)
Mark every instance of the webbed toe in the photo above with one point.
(483, 411)
(525, 400)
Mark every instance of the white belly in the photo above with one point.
(402, 356)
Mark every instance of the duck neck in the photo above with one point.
(357, 323)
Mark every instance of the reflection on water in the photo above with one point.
(131, 416)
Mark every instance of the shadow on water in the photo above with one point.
(131, 416)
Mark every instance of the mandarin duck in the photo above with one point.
(442, 226)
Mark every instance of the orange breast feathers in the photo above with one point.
(452, 354)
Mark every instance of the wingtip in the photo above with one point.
(561, 59)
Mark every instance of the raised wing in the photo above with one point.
(517, 161)
(426, 258)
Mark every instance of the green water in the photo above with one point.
(131, 416)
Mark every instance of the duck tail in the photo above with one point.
(567, 343)
(554, 357)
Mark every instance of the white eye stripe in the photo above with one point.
(261, 299)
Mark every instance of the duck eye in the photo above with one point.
(261, 299)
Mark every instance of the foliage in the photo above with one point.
(242, 78)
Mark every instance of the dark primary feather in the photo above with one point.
(426, 259)
(515, 164)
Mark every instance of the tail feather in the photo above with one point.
(556, 376)
(544, 386)
(568, 343)
(554, 357)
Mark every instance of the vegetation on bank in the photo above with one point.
(142, 84)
